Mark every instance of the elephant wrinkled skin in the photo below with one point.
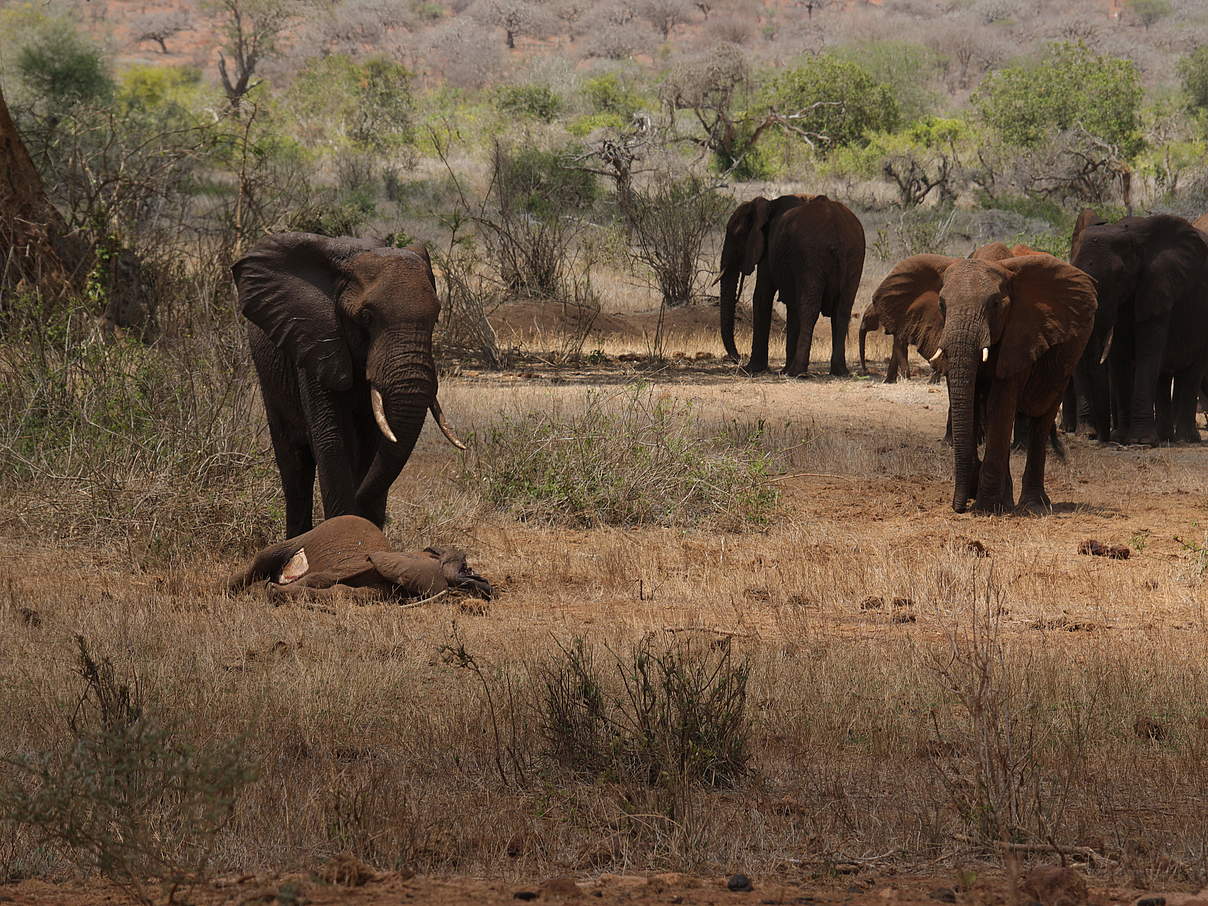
(350, 555)
(810, 251)
(341, 336)
(1011, 332)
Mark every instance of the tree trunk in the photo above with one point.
(36, 248)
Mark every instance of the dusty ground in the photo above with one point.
(864, 572)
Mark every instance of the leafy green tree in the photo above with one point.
(1068, 87)
(60, 68)
(371, 102)
(836, 101)
(533, 101)
(1149, 11)
(1193, 70)
(910, 71)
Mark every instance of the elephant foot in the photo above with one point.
(1034, 504)
(1184, 437)
(890, 380)
(751, 370)
(839, 371)
(990, 507)
(795, 373)
(1147, 439)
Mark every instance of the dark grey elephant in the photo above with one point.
(341, 335)
(1147, 356)
(810, 251)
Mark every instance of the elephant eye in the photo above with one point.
(365, 316)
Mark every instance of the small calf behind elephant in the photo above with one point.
(349, 555)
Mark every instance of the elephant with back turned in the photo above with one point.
(1148, 353)
(341, 335)
(1010, 335)
(810, 251)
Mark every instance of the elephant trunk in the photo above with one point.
(402, 380)
(964, 355)
(864, 328)
(731, 288)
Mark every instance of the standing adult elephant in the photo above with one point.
(1010, 335)
(1147, 355)
(341, 335)
(810, 251)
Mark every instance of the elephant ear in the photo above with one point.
(414, 574)
(289, 284)
(1173, 258)
(422, 252)
(756, 233)
(1086, 218)
(1051, 303)
(907, 301)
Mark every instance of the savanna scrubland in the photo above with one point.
(738, 627)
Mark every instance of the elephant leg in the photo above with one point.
(1120, 384)
(792, 328)
(374, 490)
(901, 352)
(806, 299)
(1164, 421)
(761, 323)
(995, 492)
(1069, 409)
(1032, 495)
(891, 372)
(1022, 432)
(1149, 344)
(296, 464)
(838, 360)
(332, 437)
(1183, 403)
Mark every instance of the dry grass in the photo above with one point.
(881, 723)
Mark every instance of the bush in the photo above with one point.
(622, 460)
(368, 103)
(608, 94)
(1069, 87)
(680, 715)
(856, 105)
(544, 182)
(909, 70)
(534, 101)
(583, 126)
(1193, 71)
(60, 68)
(128, 797)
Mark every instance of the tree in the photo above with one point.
(249, 30)
(841, 101)
(517, 18)
(1193, 70)
(664, 15)
(61, 69)
(36, 247)
(1149, 11)
(1068, 87)
(160, 26)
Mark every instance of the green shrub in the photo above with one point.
(370, 103)
(608, 94)
(543, 181)
(910, 71)
(533, 101)
(128, 797)
(59, 68)
(583, 126)
(1193, 71)
(854, 103)
(627, 459)
(1068, 86)
(675, 713)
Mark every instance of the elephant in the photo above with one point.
(1074, 407)
(1011, 333)
(810, 251)
(899, 358)
(340, 331)
(350, 555)
(1148, 353)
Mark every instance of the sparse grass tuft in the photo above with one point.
(627, 458)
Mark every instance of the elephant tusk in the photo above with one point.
(985, 353)
(935, 358)
(444, 426)
(1107, 347)
(379, 415)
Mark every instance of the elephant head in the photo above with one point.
(995, 319)
(745, 246)
(430, 572)
(350, 311)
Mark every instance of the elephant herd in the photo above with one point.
(1119, 334)
(340, 332)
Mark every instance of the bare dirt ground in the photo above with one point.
(842, 600)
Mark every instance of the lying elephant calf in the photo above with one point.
(350, 553)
